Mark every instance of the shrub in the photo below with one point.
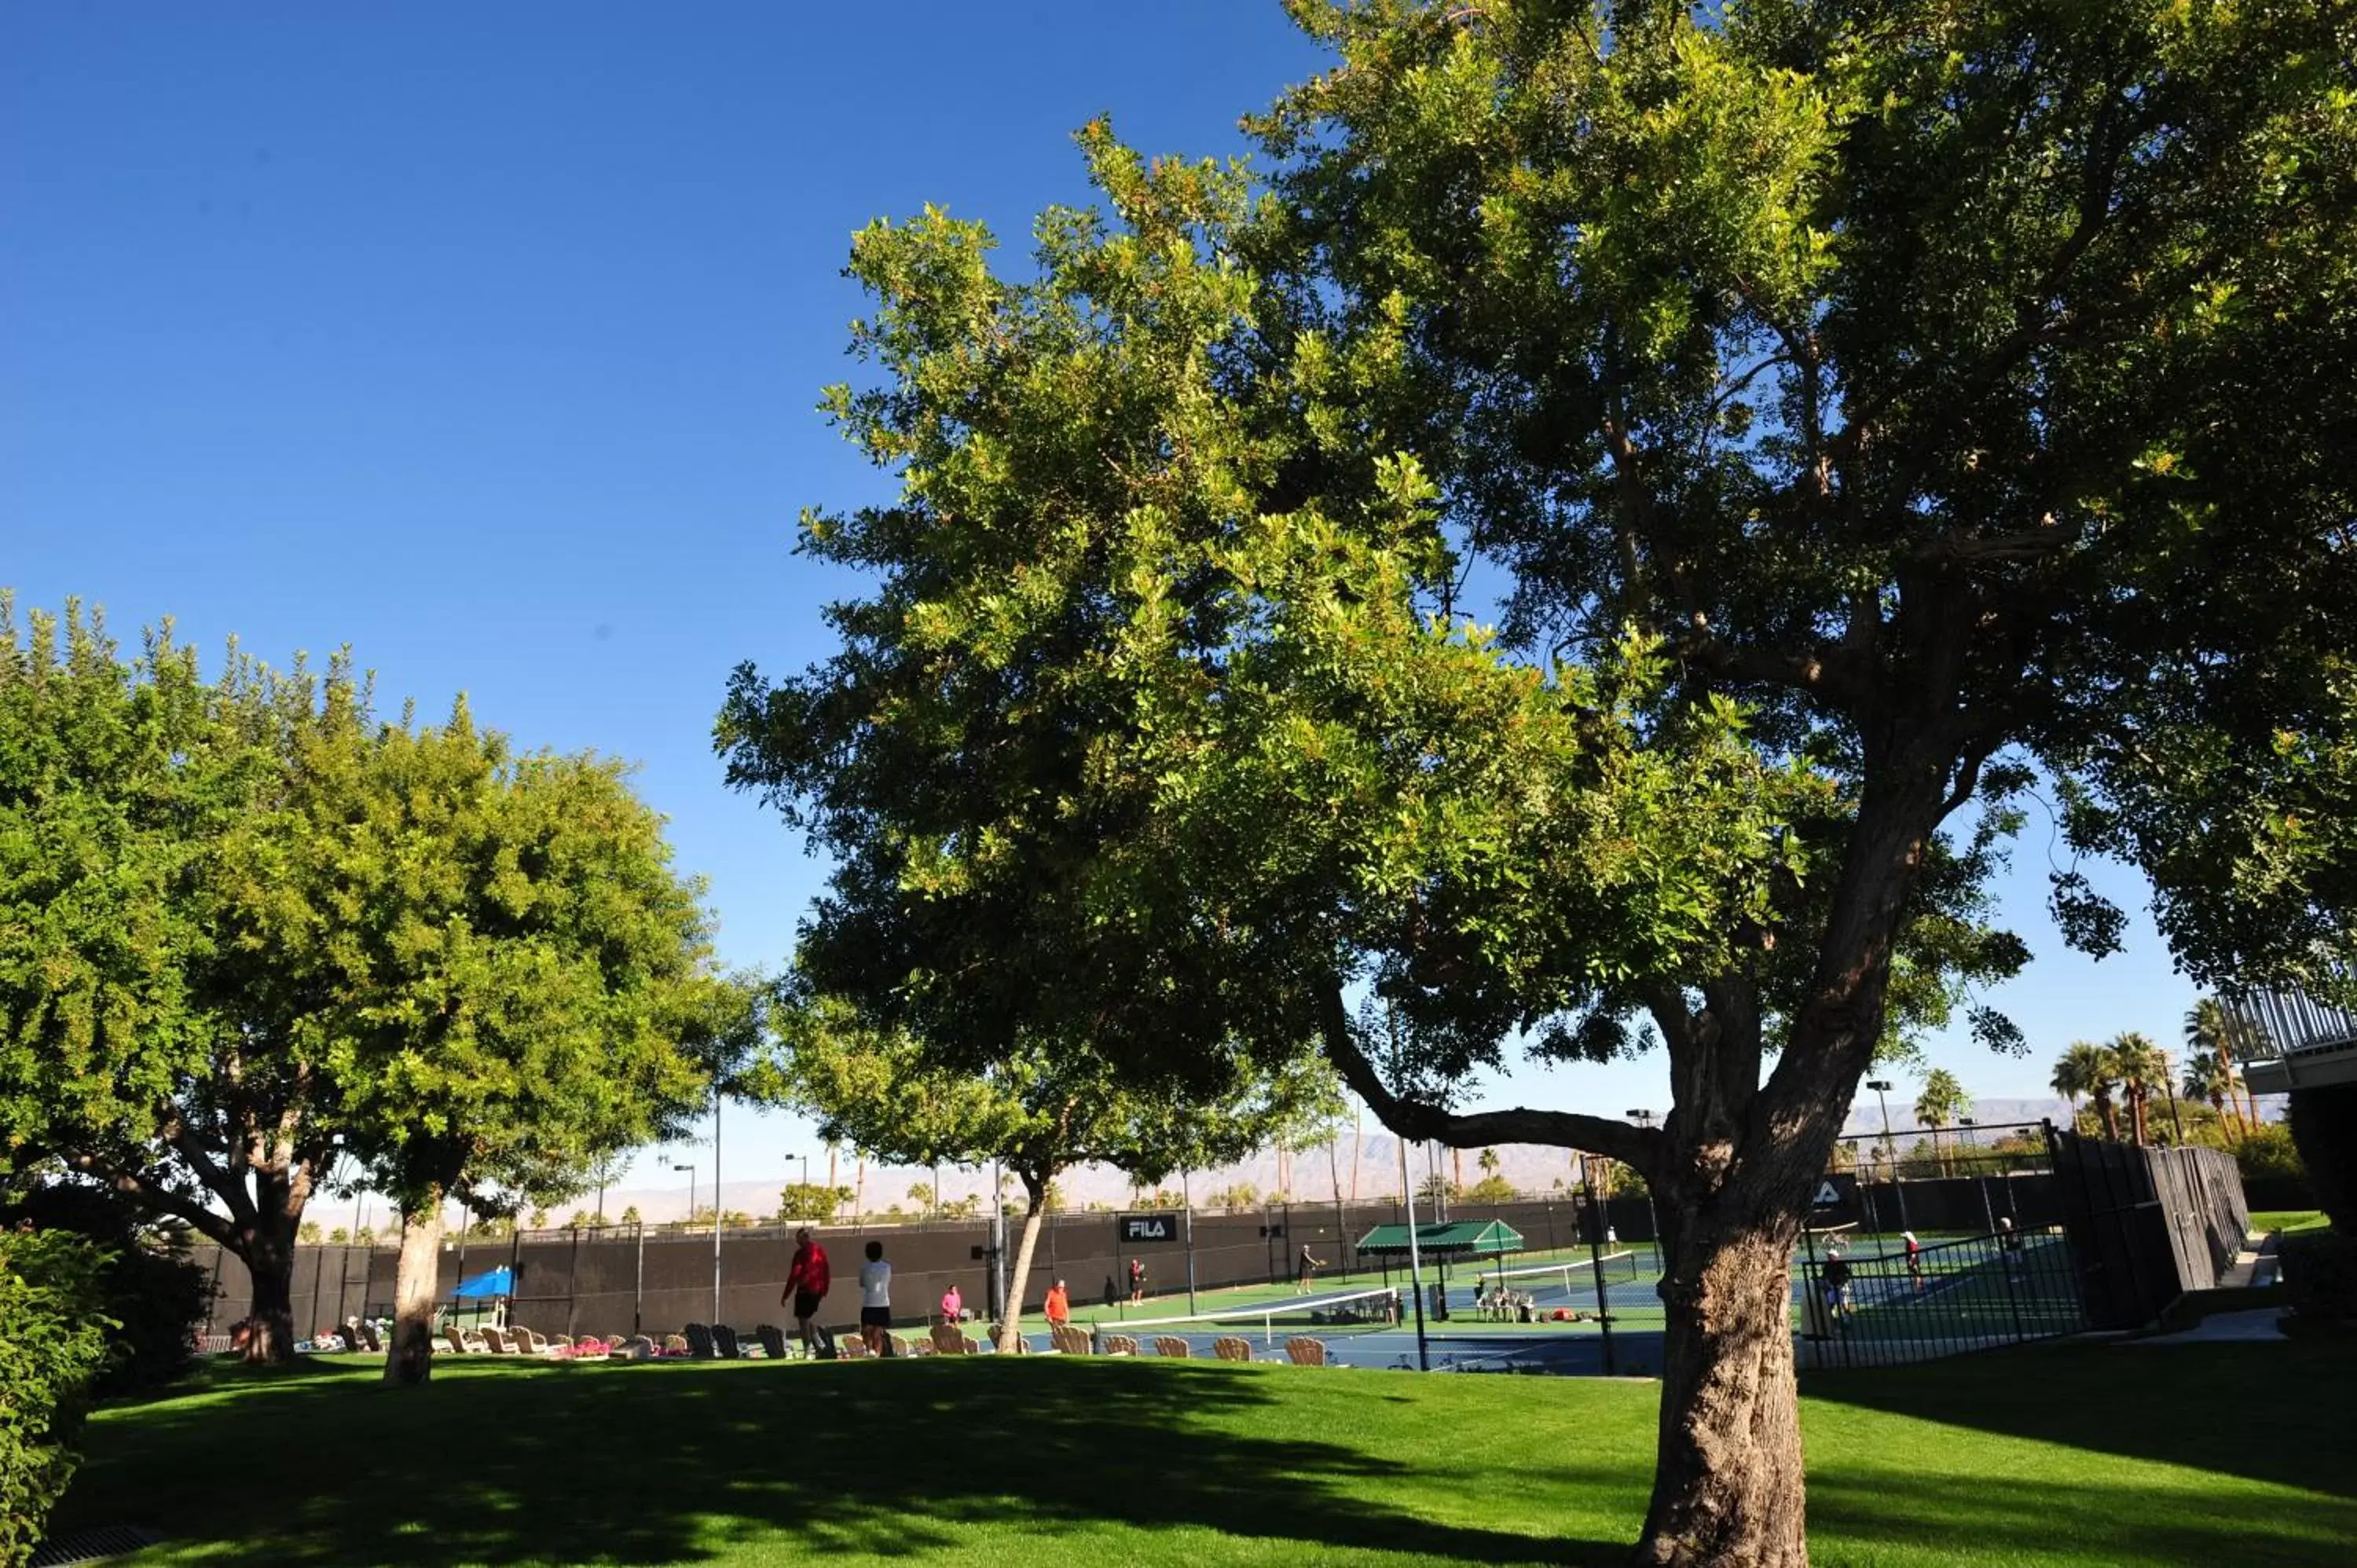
(2267, 1154)
(148, 1286)
(52, 1342)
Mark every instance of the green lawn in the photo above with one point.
(2054, 1455)
(2288, 1220)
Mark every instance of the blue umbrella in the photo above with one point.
(490, 1281)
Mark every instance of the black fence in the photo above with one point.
(1864, 1304)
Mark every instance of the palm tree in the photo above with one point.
(2210, 1078)
(1943, 1101)
(2143, 1067)
(2211, 1029)
(2092, 1071)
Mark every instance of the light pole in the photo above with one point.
(1645, 1120)
(1882, 1088)
(691, 1190)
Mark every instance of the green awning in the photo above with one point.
(1485, 1236)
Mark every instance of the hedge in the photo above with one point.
(52, 1343)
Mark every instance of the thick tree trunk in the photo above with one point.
(1010, 1325)
(269, 1257)
(412, 1360)
(1726, 1480)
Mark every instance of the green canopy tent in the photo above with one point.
(1443, 1240)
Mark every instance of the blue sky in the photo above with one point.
(487, 340)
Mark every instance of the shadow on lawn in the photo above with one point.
(673, 1464)
(2275, 1412)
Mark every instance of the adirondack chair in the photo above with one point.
(496, 1342)
(1228, 1348)
(773, 1341)
(724, 1339)
(1171, 1345)
(1120, 1345)
(947, 1340)
(699, 1342)
(1304, 1351)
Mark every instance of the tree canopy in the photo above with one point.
(1868, 413)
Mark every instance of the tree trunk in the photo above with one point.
(1010, 1324)
(2136, 1113)
(1727, 1479)
(269, 1256)
(2110, 1118)
(412, 1360)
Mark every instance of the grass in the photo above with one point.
(2289, 1221)
(2056, 1454)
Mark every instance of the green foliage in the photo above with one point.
(2268, 1151)
(1042, 1109)
(1489, 1189)
(152, 1295)
(242, 918)
(53, 1344)
(810, 1201)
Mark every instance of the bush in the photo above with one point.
(2267, 1154)
(2319, 1275)
(148, 1286)
(52, 1343)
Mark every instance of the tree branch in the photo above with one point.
(147, 1190)
(1431, 1124)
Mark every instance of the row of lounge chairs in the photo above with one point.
(1299, 1351)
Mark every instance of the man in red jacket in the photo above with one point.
(806, 1282)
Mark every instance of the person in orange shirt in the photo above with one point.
(1060, 1305)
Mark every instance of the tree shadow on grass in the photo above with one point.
(2273, 1413)
(673, 1464)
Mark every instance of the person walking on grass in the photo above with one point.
(1137, 1282)
(1058, 1305)
(875, 1299)
(1914, 1258)
(953, 1305)
(1307, 1272)
(806, 1284)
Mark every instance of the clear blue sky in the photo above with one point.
(486, 340)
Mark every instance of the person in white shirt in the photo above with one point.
(875, 1299)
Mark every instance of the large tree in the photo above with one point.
(258, 941)
(1943, 1101)
(161, 1029)
(524, 985)
(1869, 411)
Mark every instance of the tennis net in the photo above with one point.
(1363, 1311)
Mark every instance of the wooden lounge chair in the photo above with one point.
(851, 1348)
(947, 1340)
(529, 1342)
(1171, 1345)
(1120, 1345)
(907, 1345)
(1228, 1348)
(638, 1348)
(1022, 1344)
(1070, 1341)
(1304, 1351)
(773, 1340)
(675, 1345)
(497, 1341)
(461, 1345)
(699, 1342)
(724, 1339)
(560, 1341)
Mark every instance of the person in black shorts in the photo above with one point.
(806, 1282)
(875, 1299)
